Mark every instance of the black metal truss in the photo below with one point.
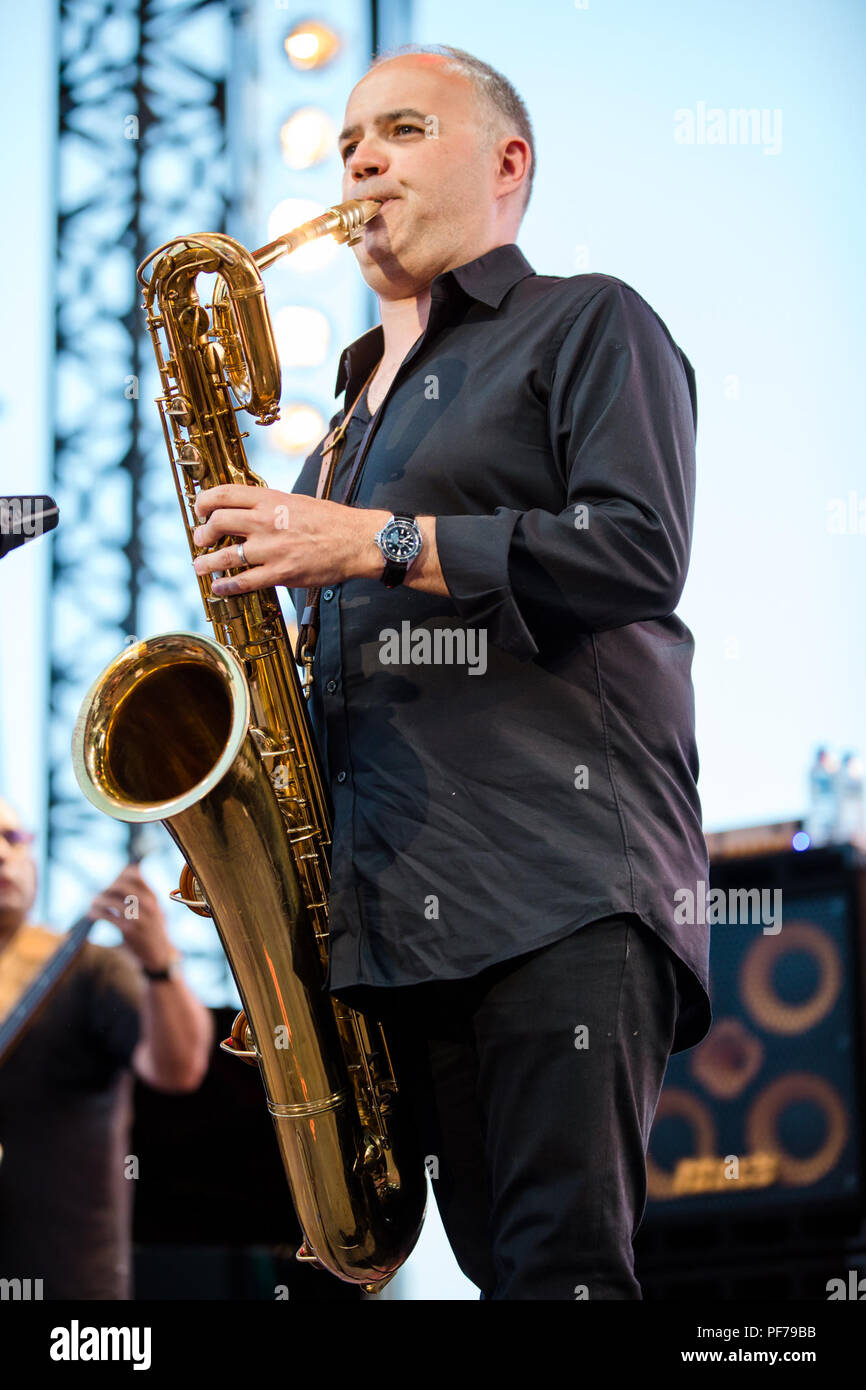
(142, 153)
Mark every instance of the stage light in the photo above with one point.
(311, 45)
(307, 137)
(298, 430)
(800, 841)
(290, 213)
(303, 336)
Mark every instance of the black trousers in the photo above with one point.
(532, 1088)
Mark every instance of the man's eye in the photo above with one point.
(347, 149)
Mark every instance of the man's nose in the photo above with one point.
(367, 159)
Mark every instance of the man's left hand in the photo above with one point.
(288, 538)
(131, 904)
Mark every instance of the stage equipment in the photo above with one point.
(767, 1112)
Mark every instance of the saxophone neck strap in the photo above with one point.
(332, 451)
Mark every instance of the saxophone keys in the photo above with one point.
(306, 1256)
(180, 410)
(190, 894)
(191, 461)
(373, 1150)
(241, 1043)
(214, 356)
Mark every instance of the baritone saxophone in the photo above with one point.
(211, 736)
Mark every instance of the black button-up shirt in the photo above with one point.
(516, 760)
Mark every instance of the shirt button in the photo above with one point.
(341, 776)
(331, 687)
(327, 594)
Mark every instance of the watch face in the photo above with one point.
(401, 541)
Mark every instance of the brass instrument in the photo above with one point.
(212, 738)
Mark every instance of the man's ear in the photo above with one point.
(515, 158)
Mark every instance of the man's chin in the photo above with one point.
(11, 918)
(377, 259)
(377, 235)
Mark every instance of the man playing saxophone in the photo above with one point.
(516, 473)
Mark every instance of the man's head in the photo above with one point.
(17, 871)
(450, 141)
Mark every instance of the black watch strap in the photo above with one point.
(393, 574)
(169, 972)
(395, 570)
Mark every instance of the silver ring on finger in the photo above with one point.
(242, 559)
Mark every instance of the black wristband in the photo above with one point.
(168, 973)
(393, 574)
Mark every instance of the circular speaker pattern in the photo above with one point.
(762, 1124)
(728, 1060)
(674, 1101)
(758, 991)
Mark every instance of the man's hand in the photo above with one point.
(132, 906)
(300, 541)
(177, 1031)
(287, 538)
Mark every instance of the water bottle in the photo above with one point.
(849, 799)
(823, 809)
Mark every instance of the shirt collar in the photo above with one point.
(488, 278)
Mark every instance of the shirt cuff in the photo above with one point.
(473, 557)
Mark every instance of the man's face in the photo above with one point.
(416, 134)
(17, 873)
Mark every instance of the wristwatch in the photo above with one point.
(400, 542)
(171, 971)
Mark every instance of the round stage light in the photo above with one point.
(303, 336)
(311, 44)
(298, 430)
(307, 137)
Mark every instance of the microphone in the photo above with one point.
(22, 519)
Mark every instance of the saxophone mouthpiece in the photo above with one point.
(355, 214)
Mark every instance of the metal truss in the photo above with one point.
(142, 153)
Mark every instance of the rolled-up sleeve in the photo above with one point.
(622, 415)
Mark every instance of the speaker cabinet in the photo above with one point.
(766, 1114)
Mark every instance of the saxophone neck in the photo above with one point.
(241, 322)
(343, 223)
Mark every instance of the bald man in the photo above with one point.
(65, 1088)
(485, 554)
